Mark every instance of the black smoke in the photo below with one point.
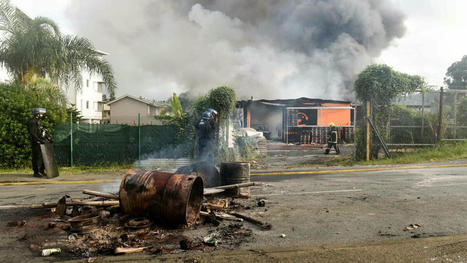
(262, 48)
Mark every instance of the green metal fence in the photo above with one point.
(103, 144)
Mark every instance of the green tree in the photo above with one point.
(16, 102)
(456, 75)
(37, 46)
(380, 84)
(222, 99)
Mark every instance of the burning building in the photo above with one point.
(302, 120)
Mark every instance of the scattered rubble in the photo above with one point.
(99, 225)
(412, 227)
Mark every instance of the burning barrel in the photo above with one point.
(172, 198)
(235, 173)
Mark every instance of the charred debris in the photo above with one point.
(154, 212)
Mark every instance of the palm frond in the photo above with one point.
(12, 19)
(82, 54)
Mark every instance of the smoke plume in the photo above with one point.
(261, 48)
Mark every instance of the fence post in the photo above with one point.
(455, 116)
(139, 138)
(423, 115)
(71, 139)
(368, 138)
(440, 123)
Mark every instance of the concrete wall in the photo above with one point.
(125, 111)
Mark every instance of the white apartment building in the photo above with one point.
(88, 99)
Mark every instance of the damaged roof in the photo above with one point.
(303, 101)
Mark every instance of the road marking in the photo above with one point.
(59, 182)
(308, 193)
(359, 170)
(12, 206)
(442, 185)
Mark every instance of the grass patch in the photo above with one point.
(72, 170)
(445, 151)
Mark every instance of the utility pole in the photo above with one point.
(368, 131)
(440, 123)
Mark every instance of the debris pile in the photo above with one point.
(101, 224)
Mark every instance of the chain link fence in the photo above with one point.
(422, 119)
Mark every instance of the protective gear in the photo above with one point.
(209, 114)
(37, 136)
(36, 111)
(332, 140)
(206, 130)
(331, 124)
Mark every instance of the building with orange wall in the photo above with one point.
(302, 120)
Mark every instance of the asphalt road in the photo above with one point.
(335, 209)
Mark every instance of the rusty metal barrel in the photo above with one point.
(172, 198)
(235, 173)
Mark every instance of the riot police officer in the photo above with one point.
(332, 139)
(206, 131)
(37, 136)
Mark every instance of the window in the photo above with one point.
(100, 86)
(87, 104)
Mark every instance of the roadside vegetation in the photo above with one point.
(445, 151)
(379, 85)
(73, 170)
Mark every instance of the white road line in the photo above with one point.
(12, 206)
(442, 185)
(310, 193)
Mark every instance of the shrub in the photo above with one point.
(17, 102)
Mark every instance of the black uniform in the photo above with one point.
(37, 137)
(332, 141)
(206, 132)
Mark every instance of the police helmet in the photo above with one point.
(209, 114)
(36, 111)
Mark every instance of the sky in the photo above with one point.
(435, 34)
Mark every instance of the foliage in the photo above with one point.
(177, 110)
(37, 45)
(439, 152)
(222, 99)
(380, 84)
(17, 102)
(462, 111)
(456, 75)
(404, 116)
(247, 146)
(200, 105)
(181, 121)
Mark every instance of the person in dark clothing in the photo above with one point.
(37, 136)
(332, 139)
(206, 133)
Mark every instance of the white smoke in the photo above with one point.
(262, 48)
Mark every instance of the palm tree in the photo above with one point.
(37, 45)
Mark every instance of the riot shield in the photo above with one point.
(48, 156)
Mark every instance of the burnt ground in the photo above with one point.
(281, 156)
(106, 229)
